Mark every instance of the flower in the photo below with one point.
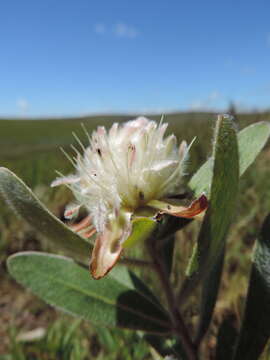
(132, 166)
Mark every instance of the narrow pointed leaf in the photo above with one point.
(62, 283)
(209, 296)
(255, 330)
(127, 278)
(251, 140)
(25, 204)
(223, 193)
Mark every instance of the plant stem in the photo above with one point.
(179, 326)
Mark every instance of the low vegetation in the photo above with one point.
(31, 330)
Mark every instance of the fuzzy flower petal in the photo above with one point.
(130, 167)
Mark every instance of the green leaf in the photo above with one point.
(142, 228)
(209, 296)
(223, 193)
(62, 283)
(126, 277)
(251, 140)
(22, 200)
(255, 330)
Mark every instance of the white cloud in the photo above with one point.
(23, 105)
(214, 95)
(125, 31)
(196, 105)
(207, 103)
(100, 28)
(119, 30)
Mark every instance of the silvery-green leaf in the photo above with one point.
(109, 302)
(251, 140)
(23, 201)
(223, 194)
(209, 296)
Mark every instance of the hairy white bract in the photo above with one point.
(125, 168)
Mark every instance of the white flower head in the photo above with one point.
(131, 166)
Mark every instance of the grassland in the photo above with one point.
(30, 148)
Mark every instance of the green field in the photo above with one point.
(31, 149)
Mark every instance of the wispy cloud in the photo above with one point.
(23, 105)
(125, 31)
(100, 28)
(207, 103)
(119, 30)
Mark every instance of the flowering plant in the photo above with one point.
(130, 181)
(130, 168)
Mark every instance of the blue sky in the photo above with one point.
(63, 57)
